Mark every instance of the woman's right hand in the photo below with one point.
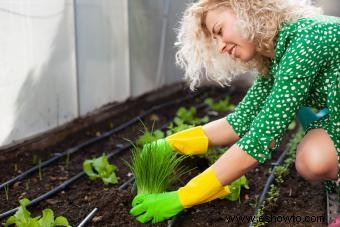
(191, 141)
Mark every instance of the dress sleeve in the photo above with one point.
(245, 112)
(293, 79)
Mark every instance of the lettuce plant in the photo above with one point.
(101, 168)
(22, 218)
(176, 127)
(187, 116)
(235, 188)
(155, 167)
(223, 105)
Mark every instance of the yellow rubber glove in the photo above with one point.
(189, 142)
(203, 188)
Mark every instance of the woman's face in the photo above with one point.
(221, 23)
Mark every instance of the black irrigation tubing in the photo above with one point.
(269, 182)
(62, 186)
(88, 218)
(91, 141)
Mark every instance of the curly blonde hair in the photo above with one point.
(257, 20)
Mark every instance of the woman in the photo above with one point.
(296, 54)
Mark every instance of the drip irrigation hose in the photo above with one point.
(62, 186)
(269, 182)
(126, 183)
(88, 218)
(91, 141)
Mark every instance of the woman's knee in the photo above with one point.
(316, 160)
(309, 165)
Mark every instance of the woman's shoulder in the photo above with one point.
(307, 24)
(318, 28)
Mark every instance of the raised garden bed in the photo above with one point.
(77, 200)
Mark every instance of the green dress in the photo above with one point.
(304, 72)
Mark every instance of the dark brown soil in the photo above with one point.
(113, 204)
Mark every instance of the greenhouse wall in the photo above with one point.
(63, 59)
(37, 67)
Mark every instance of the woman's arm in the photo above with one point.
(233, 164)
(220, 132)
(228, 130)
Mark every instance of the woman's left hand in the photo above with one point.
(156, 207)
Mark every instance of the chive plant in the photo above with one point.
(40, 172)
(6, 188)
(155, 167)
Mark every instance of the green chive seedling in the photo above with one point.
(155, 167)
(27, 184)
(101, 168)
(40, 172)
(6, 188)
(22, 218)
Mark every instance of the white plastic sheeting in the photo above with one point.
(152, 36)
(103, 52)
(37, 67)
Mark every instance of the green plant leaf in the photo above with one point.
(87, 167)
(10, 221)
(23, 215)
(61, 221)
(112, 179)
(101, 168)
(235, 188)
(292, 125)
(47, 219)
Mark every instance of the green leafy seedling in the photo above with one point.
(223, 105)
(292, 125)
(235, 188)
(185, 119)
(187, 116)
(101, 168)
(176, 127)
(22, 218)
